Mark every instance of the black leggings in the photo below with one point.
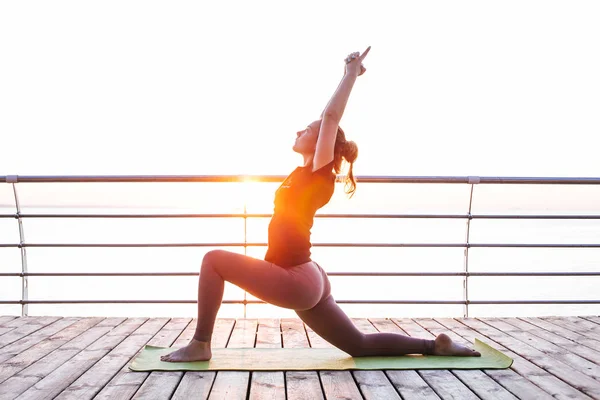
(304, 288)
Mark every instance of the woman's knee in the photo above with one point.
(213, 259)
(214, 256)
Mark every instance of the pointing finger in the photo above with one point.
(362, 57)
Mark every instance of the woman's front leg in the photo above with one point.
(260, 278)
(211, 286)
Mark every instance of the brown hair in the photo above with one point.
(347, 150)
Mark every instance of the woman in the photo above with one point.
(287, 277)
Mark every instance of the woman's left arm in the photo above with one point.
(334, 111)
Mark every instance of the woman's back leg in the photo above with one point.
(330, 322)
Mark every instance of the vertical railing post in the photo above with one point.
(472, 181)
(24, 278)
(245, 246)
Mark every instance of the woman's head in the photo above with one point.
(306, 139)
(306, 143)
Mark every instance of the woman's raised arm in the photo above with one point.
(332, 115)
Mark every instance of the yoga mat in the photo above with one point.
(299, 359)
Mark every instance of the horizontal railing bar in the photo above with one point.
(362, 274)
(468, 302)
(280, 178)
(241, 244)
(223, 302)
(234, 215)
(583, 273)
(369, 302)
(507, 302)
(117, 245)
(344, 216)
(541, 246)
(558, 216)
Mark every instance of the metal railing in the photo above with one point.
(23, 245)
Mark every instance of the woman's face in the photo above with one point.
(306, 139)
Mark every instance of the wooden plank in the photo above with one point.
(268, 384)
(231, 385)
(566, 333)
(336, 384)
(59, 379)
(14, 323)
(29, 325)
(481, 384)
(446, 384)
(268, 334)
(300, 385)
(508, 378)
(539, 377)
(24, 359)
(408, 383)
(194, 380)
(593, 318)
(411, 385)
(578, 325)
(373, 384)
(315, 340)
(386, 325)
(573, 360)
(293, 333)
(35, 372)
(4, 330)
(162, 384)
(339, 385)
(564, 372)
(583, 326)
(20, 321)
(572, 346)
(126, 383)
(197, 384)
(243, 334)
(26, 342)
(585, 323)
(5, 319)
(113, 363)
(443, 382)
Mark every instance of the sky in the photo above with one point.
(160, 87)
(454, 88)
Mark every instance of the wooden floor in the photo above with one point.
(85, 358)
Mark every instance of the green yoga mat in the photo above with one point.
(298, 359)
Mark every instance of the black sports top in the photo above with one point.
(297, 200)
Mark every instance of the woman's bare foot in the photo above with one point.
(194, 351)
(444, 346)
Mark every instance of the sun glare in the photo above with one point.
(257, 196)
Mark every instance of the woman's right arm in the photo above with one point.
(354, 68)
(332, 114)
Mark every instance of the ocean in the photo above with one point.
(256, 197)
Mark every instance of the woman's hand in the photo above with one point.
(354, 63)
